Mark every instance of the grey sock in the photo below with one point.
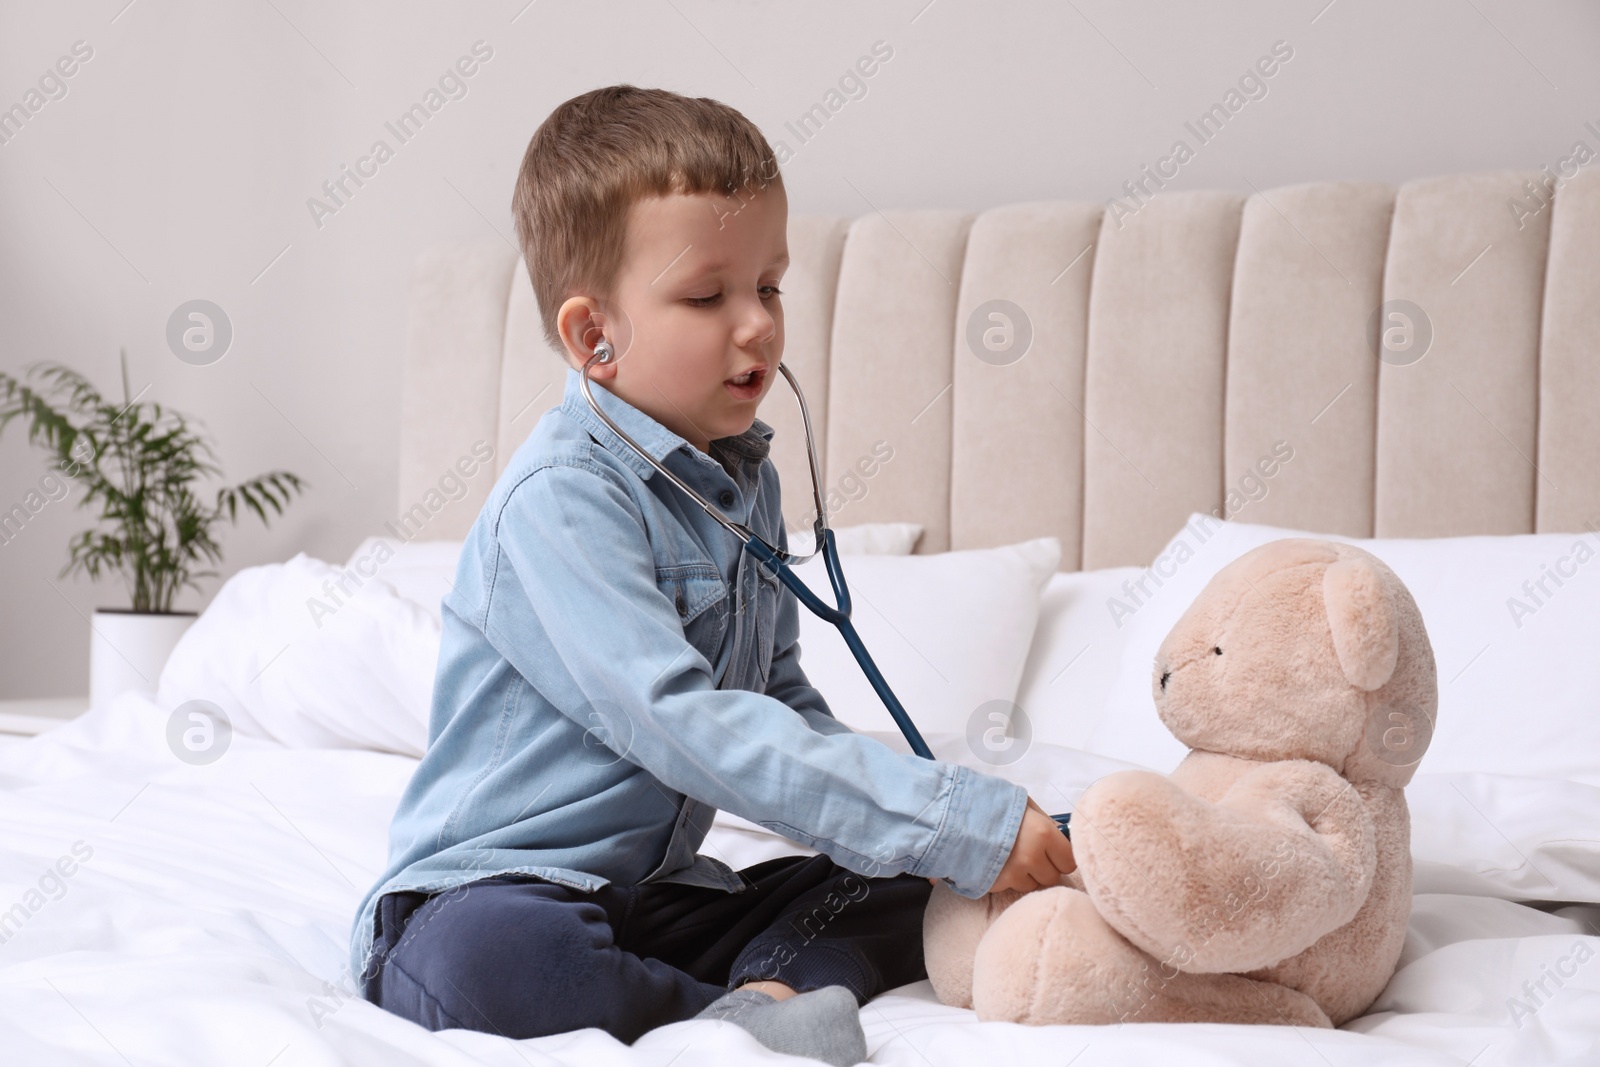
(824, 1024)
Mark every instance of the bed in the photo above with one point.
(173, 897)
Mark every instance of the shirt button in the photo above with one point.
(726, 499)
(683, 609)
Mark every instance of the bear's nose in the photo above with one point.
(1164, 676)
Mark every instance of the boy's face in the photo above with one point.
(695, 306)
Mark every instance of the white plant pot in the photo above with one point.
(128, 649)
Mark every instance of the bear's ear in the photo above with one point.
(1362, 617)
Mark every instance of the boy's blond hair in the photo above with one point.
(598, 153)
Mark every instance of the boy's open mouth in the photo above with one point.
(747, 386)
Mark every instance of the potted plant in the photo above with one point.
(138, 462)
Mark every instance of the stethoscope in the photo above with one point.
(779, 560)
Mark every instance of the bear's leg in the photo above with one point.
(952, 926)
(1052, 959)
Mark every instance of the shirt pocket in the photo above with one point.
(700, 596)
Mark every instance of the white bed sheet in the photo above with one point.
(209, 925)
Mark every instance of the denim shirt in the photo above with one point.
(614, 668)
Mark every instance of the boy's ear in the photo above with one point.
(583, 322)
(582, 326)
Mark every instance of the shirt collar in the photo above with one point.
(652, 436)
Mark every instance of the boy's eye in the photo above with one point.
(767, 292)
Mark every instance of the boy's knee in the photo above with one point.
(499, 959)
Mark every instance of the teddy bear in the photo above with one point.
(1267, 879)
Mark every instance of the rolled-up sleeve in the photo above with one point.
(576, 543)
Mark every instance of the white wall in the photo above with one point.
(179, 164)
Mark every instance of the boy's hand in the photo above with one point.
(1040, 856)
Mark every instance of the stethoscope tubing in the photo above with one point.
(840, 617)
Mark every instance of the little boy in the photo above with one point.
(614, 668)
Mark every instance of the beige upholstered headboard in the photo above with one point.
(1175, 342)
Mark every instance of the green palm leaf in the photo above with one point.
(137, 463)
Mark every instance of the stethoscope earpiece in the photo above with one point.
(604, 351)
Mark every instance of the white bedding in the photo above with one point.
(209, 923)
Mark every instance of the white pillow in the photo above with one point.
(288, 655)
(421, 571)
(950, 631)
(1505, 836)
(1076, 655)
(866, 539)
(1519, 677)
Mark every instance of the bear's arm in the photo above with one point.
(1285, 856)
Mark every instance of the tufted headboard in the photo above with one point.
(1152, 357)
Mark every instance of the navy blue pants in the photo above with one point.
(516, 956)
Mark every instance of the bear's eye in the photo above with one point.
(1217, 649)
